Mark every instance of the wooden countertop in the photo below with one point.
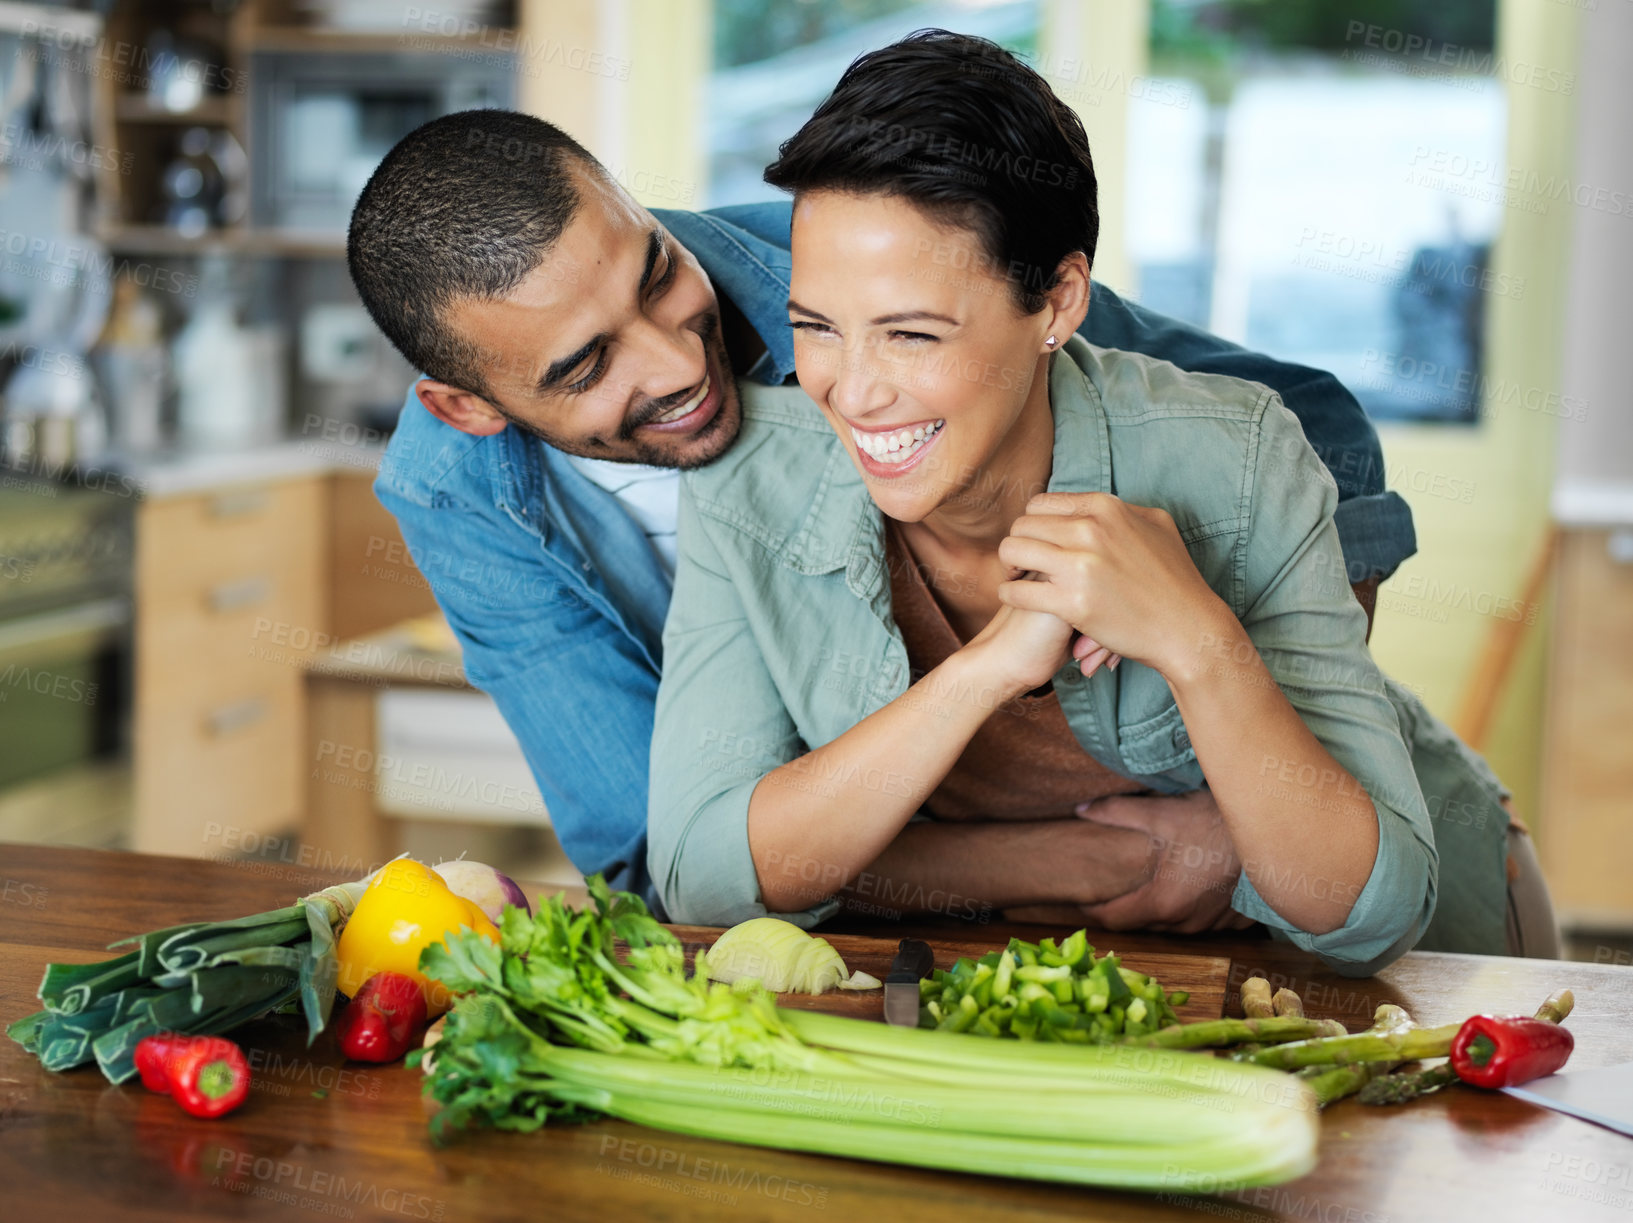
(324, 1138)
(184, 472)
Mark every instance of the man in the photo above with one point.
(578, 350)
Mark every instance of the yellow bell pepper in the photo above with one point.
(405, 909)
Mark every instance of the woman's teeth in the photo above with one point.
(689, 406)
(896, 447)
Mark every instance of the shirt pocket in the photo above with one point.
(1156, 744)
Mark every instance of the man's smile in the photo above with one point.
(677, 419)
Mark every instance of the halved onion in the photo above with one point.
(782, 957)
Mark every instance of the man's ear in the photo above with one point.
(1069, 299)
(464, 411)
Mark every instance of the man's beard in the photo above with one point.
(698, 450)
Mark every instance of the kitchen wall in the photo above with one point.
(1438, 611)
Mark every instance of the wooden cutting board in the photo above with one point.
(1206, 976)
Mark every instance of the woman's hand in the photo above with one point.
(1020, 650)
(1117, 573)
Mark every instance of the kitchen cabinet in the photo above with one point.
(226, 580)
(1586, 833)
(372, 580)
(239, 587)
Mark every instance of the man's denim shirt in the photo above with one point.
(558, 600)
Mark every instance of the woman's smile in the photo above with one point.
(886, 453)
(936, 385)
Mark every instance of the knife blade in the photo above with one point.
(914, 961)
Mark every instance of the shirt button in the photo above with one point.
(1182, 739)
(586, 566)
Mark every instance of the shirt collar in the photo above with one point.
(752, 272)
(1082, 458)
(518, 460)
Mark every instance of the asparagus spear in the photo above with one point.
(1289, 1004)
(1339, 1081)
(1256, 1004)
(1210, 1032)
(1261, 1027)
(1286, 1002)
(1256, 1001)
(1404, 1045)
(1410, 1084)
(1390, 1018)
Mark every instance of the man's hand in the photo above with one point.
(973, 868)
(1197, 866)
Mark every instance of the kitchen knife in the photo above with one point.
(914, 961)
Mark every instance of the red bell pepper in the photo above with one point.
(385, 1019)
(1494, 1051)
(153, 1059)
(208, 1076)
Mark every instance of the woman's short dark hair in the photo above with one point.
(971, 135)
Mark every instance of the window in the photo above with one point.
(773, 64)
(1326, 186)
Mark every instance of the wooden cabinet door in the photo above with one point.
(1586, 835)
(230, 604)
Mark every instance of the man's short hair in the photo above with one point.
(464, 207)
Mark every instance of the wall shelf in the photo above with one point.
(135, 108)
(497, 40)
(162, 240)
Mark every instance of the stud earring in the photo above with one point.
(1050, 342)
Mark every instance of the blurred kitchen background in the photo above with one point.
(212, 641)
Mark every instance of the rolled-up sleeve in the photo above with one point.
(1311, 634)
(1374, 526)
(1377, 534)
(721, 726)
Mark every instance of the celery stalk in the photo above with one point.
(1277, 1153)
(553, 1026)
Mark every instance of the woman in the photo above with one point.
(1139, 562)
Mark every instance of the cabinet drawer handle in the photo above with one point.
(239, 594)
(238, 502)
(226, 719)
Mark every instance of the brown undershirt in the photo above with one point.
(1024, 763)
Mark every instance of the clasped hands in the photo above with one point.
(1114, 575)
(1120, 577)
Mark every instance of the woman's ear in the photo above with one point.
(1068, 301)
(464, 411)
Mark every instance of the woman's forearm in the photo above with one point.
(817, 821)
(1305, 830)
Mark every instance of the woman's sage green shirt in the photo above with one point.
(780, 636)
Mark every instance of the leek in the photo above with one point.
(553, 1024)
(202, 977)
